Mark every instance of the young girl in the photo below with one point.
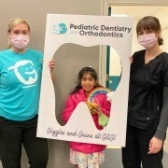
(82, 154)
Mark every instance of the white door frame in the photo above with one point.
(105, 4)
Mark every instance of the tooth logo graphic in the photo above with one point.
(25, 72)
(59, 29)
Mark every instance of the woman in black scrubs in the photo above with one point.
(148, 99)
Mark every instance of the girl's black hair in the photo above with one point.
(147, 23)
(83, 71)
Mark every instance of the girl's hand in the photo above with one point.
(98, 110)
(51, 64)
(155, 145)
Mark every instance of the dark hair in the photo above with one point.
(147, 23)
(83, 71)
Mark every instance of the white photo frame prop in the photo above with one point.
(86, 31)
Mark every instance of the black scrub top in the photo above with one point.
(145, 92)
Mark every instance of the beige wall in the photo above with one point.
(34, 11)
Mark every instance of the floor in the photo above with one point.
(114, 156)
(113, 159)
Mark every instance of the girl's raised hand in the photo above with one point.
(98, 110)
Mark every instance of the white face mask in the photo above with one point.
(147, 40)
(20, 41)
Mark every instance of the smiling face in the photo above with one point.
(25, 72)
(88, 82)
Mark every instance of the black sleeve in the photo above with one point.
(163, 123)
